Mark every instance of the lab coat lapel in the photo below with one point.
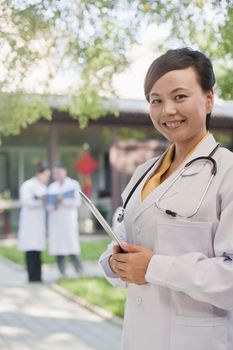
(203, 149)
(140, 206)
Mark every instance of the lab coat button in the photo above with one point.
(138, 300)
(138, 230)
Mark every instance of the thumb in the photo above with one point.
(130, 247)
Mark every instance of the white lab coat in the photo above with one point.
(32, 225)
(188, 300)
(63, 231)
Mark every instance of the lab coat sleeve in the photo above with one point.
(112, 277)
(75, 201)
(205, 279)
(27, 197)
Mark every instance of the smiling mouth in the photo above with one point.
(173, 125)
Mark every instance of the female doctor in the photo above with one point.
(178, 220)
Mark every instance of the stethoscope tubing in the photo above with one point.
(168, 211)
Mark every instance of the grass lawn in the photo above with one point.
(97, 291)
(90, 250)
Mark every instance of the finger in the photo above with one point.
(120, 267)
(131, 248)
(119, 257)
(116, 249)
(123, 274)
(124, 279)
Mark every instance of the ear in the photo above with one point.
(209, 101)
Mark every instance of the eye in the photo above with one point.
(180, 97)
(155, 101)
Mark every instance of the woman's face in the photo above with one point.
(178, 106)
(44, 176)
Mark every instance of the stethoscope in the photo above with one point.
(208, 159)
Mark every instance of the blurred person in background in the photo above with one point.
(63, 231)
(32, 220)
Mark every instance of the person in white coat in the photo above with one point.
(177, 220)
(63, 230)
(32, 220)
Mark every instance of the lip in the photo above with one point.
(174, 124)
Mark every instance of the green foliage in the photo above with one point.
(91, 39)
(89, 105)
(99, 292)
(225, 84)
(132, 133)
(226, 30)
(205, 25)
(18, 110)
(49, 37)
(26, 39)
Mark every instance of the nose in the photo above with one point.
(169, 108)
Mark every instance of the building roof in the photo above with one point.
(135, 112)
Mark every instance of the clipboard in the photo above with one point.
(52, 198)
(100, 219)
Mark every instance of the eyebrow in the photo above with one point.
(172, 92)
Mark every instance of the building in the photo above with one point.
(62, 139)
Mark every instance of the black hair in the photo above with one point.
(41, 167)
(180, 59)
(58, 165)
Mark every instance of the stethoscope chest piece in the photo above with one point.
(120, 216)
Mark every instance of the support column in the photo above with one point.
(21, 177)
(115, 179)
(53, 143)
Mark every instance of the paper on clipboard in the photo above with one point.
(100, 218)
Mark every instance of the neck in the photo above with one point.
(183, 150)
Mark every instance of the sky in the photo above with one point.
(129, 84)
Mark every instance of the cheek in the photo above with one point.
(201, 107)
(154, 120)
(153, 116)
(201, 111)
(193, 110)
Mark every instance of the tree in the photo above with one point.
(41, 40)
(51, 36)
(202, 24)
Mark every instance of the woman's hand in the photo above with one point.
(131, 266)
(115, 249)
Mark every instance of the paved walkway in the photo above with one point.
(33, 316)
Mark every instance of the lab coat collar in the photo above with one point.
(204, 148)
